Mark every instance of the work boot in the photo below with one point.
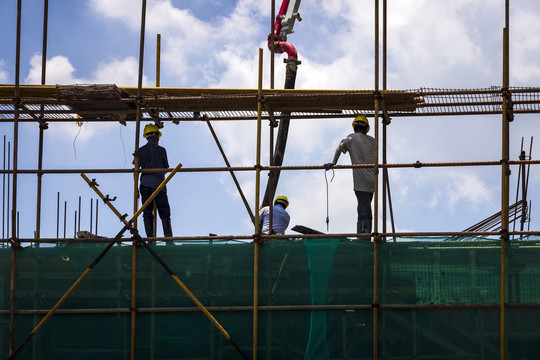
(363, 226)
(149, 227)
(167, 229)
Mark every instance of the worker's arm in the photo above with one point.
(263, 212)
(340, 149)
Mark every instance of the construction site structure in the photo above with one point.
(308, 295)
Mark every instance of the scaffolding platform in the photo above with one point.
(111, 103)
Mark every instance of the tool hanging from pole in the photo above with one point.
(277, 42)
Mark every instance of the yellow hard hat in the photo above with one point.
(151, 128)
(282, 199)
(361, 119)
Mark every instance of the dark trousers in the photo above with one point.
(365, 216)
(161, 200)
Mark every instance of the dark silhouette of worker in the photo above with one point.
(154, 156)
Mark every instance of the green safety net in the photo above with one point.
(438, 300)
(320, 257)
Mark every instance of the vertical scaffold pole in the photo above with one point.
(376, 195)
(384, 144)
(257, 227)
(270, 177)
(42, 126)
(153, 285)
(505, 178)
(135, 182)
(14, 194)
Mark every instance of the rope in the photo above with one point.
(327, 211)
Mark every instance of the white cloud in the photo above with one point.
(3, 73)
(128, 10)
(59, 71)
(193, 50)
(436, 44)
(468, 190)
(525, 45)
(122, 72)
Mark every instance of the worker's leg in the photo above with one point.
(164, 210)
(365, 218)
(148, 217)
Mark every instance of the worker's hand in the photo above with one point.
(327, 166)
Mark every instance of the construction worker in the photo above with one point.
(281, 217)
(153, 156)
(361, 148)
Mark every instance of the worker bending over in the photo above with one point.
(281, 217)
(153, 156)
(361, 148)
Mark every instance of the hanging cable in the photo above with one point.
(327, 206)
(79, 124)
(123, 145)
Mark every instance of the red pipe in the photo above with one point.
(279, 45)
(283, 46)
(279, 17)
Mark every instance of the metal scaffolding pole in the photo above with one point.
(505, 178)
(256, 244)
(42, 126)
(376, 238)
(135, 183)
(14, 243)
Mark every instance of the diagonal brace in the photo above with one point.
(164, 265)
(98, 259)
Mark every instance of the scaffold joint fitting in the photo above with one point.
(107, 198)
(257, 238)
(14, 243)
(377, 237)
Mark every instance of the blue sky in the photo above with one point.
(214, 43)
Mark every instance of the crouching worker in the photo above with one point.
(281, 217)
(153, 156)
